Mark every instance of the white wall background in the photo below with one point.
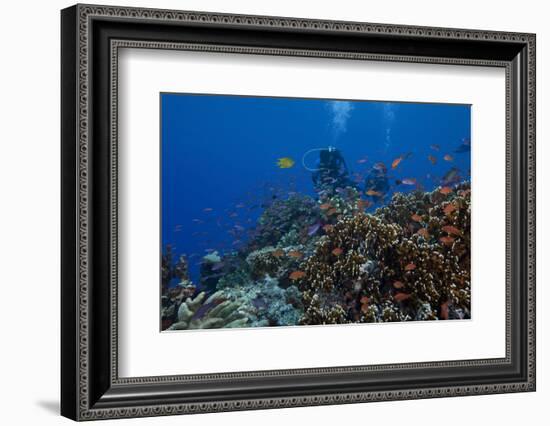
(29, 211)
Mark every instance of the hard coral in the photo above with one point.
(214, 312)
(371, 268)
(264, 262)
(209, 273)
(344, 269)
(265, 303)
(339, 203)
(275, 262)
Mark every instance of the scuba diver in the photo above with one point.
(332, 171)
(332, 175)
(376, 183)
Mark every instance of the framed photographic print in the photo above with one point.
(263, 212)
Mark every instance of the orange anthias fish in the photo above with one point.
(416, 218)
(449, 208)
(423, 232)
(332, 211)
(325, 206)
(410, 267)
(278, 253)
(295, 253)
(396, 162)
(400, 297)
(296, 275)
(448, 157)
(446, 190)
(337, 251)
(328, 228)
(444, 311)
(398, 284)
(447, 240)
(432, 159)
(364, 304)
(373, 193)
(363, 204)
(449, 229)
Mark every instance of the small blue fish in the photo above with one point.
(312, 230)
(218, 266)
(205, 308)
(259, 303)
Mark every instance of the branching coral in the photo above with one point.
(275, 262)
(344, 269)
(338, 204)
(265, 261)
(383, 268)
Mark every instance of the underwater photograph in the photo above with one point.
(292, 211)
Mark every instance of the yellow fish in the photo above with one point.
(285, 163)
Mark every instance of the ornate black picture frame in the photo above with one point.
(91, 386)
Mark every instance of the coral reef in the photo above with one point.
(238, 278)
(211, 267)
(342, 202)
(172, 298)
(381, 267)
(265, 261)
(276, 262)
(289, 217)
(330, 262)
(171, 269)
(214, 312)
(249, 304)
(266, 303)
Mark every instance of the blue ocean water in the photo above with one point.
(219, 157)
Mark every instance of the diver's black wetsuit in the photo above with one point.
(333, 172)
